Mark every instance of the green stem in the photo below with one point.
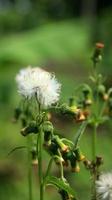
(40, 173)
(61, 166)
(29, 168)
(94, 140)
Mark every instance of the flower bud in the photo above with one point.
(105, 97)
(17, 113)
(64, 194)
(73, 161)
(80, 116)
(59, 160)
(48, 131)
(34, 156)
(97, 57)
(86, 90)
(87, 164)
(87, 102)
(71, 101)
(99, 161)
(62, 146)
(31, 128)
(52, 148)
(75, 168)
(79, 155)
(101, 90)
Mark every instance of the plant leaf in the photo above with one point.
(59, 183)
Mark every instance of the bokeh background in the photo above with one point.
(58, 35)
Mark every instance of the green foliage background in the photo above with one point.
(65, 48)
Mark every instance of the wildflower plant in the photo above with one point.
(90, 106)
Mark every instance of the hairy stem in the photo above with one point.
(40, 173)
(94, 140)
(29, 168)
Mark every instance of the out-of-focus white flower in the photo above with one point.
(38, 82)
(104, 187)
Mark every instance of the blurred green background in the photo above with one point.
(58, 36)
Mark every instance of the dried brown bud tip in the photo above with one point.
(99, 160)
(87, 163)
(99, 45)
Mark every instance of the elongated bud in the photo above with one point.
(48, 131)
(79, 155)
(34, 156)
(97, 55)
(74, 109)
(31, 128)
(64, 194)
(80, 116)
(101, 89)
(71, 101)
(87, 164)
(17, 113)
(52, 149)
(99, 161)
(63, 147)
(66, 110)
(86, 90)
(75, 168)
(59, 160)
(73, 161)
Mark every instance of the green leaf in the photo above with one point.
(60, 184)
(79, 133)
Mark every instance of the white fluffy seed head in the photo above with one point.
(104, 187)
(36, 81)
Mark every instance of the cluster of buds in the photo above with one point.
(93, 166)
(97, 55)
(73, 157)
(23, 115)
(65, 195)
(73, 111)
(55, 148)
(65, 154)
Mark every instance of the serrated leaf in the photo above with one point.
(79, 134)
(60, 184)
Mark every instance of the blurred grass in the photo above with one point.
(63, 40)
(60, 47)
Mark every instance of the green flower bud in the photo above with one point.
(17, 113)
(34, 156)
(64, 194)
(101, 90)
(86, 90)
(31, 128)
(62, 146)
(71, 101)
(97, 57)
(48, 131)
(99, 161)
(79, 155)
